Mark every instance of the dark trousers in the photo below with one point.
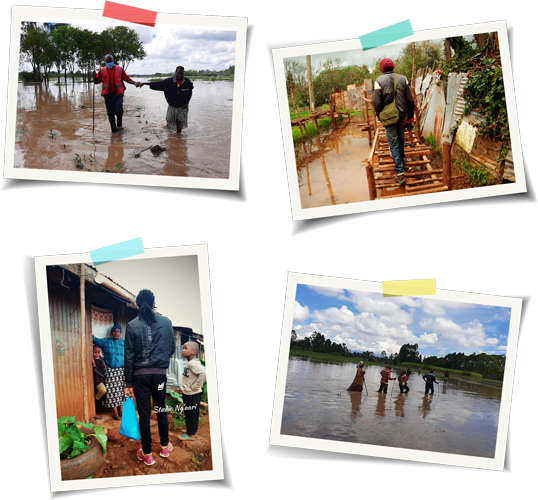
(395, 139)
(383, 387)
(404, 389)
(193, 413)
(145, 388)
(429, 387)
(114, 107)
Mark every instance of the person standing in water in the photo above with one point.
(385, 377)
(402, 382)
(178, 93)
(430, 380)
(358, 381)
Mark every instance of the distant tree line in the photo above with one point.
(490, 366)
(206, 72)
(63, 47)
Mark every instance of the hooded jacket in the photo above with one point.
(384, 94)
(148, 346)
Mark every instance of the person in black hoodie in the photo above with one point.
(149, 344)
(429, 379)
(178, 93)
(383, 96)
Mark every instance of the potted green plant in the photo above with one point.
(82, 452)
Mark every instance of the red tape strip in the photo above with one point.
(130, 14)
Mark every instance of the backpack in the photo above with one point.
(390, 114)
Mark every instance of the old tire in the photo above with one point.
(85, 465)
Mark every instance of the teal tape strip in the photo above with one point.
(117, 252)
(386, 35)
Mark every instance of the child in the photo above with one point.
(99, 371)
(193, 380)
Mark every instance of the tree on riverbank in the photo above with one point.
(66, 47)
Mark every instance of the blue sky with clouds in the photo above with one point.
(369, 321)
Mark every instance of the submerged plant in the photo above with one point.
(52, 134)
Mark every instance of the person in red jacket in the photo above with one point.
(385, 377)
(112, 78)
(402, 382)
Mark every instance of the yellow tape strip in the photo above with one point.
(408, 287)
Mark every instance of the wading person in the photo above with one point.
(394, 106)
(193, 380)
(115, 376)
(385, 377)
(429, 379)
(112, 78)
(402, 382)
(446, 376)
(178, 93)
(99, 372)
(358, 381)
(149, 344)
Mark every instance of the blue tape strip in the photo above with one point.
(386, 35)
(117, 252)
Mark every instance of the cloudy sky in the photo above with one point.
(194, 47)
(369, 321)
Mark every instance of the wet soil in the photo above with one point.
(121, 460)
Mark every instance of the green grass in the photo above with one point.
(323, 356)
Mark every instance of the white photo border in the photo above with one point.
(299, 213)
(56, 482)
(496, 463)
(51, 13)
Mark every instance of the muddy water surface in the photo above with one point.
(331, 169)
(460, 418)
(201, 150)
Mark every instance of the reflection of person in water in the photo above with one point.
(358, 381)
(399, 406)
(356, 398)
(380, 408)
(426, 405)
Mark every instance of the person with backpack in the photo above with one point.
(395, 107)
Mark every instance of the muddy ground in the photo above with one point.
(121, 460)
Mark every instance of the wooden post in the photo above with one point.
(297, 113)
(310, 85)
(84, 341)
(371, 181)
(447, 170)
(332, 115)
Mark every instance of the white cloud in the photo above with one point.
(471, 335)
(342, 316)
(438, 307)
(300, 313)
(329, 292)
(428, 339)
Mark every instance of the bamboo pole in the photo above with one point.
(310, 85)
(83, 340)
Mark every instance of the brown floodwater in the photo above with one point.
(54, 124)
(460, 418)
(331, 169)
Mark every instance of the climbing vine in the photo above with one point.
(484, 91)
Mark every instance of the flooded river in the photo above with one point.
(331, 169)
(460, 418)
(54, 124)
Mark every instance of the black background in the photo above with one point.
(483, 249)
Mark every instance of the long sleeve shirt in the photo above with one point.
(193, 377)
(112, 349)
(176, 94)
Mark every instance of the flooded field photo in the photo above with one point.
(55, 121)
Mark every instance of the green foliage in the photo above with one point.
(322, 124)
(428, 55)
(72, 441)
(474, 175)
(432, 144)
(490, 366)
(484, 91)
(52, 134)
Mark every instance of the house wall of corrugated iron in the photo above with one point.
(64, 308)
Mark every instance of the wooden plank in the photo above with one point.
(435, 190)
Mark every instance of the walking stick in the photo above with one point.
(93, 126)
(393, 382)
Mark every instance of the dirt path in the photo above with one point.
(121, 460)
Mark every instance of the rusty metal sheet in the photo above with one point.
(452, 88)
(352, 92)
(426, 83)
(432, 123)
(418, 84)
(346, 99)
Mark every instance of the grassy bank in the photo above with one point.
(323, 123)
(324, 356)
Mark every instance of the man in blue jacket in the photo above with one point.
(178, 93)
(384, 95)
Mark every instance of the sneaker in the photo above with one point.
(165, 452)
(400, 179)
(147, 459)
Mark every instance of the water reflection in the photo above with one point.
(461, 418)
(55, 123)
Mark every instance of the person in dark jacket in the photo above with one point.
(178, 93)
(384, 95)
(149, 344)
(429, 379)
(99, 372)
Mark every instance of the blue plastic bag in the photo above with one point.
(129, 422)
